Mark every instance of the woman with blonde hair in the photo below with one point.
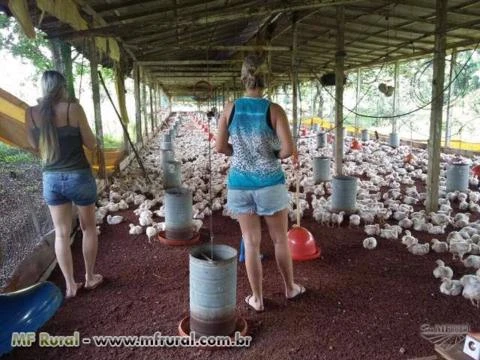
(260, 135)
(58, 130)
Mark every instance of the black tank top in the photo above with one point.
(72, 156)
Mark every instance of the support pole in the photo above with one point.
(357, 96)
(437, 106)
(339, 79)
(152, 113)
(138, 111)
(395, 97)
(453, 59)
(144, 100)
(294, 76)
(120, 88)
(97, 110)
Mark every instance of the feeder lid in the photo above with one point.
(302, 244)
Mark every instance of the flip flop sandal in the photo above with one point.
(302, 291)
(94, 286)
(250, 306)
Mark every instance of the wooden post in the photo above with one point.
(138, 111)
(155, 104)
(96, 108)
(453, 58)
(396, 84)
(357, 95)
(144, 99)
(152, 113)
(339, 79)
(62, 61)
(294, 76)
(120, 88)
(437, 106)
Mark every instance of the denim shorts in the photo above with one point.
(63, 187)
(263, 202)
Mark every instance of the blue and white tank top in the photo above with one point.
(253, 163)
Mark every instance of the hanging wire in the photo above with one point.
(399, 115)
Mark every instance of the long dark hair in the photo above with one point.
(53, 89)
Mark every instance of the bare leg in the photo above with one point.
(251, 233)
(277, 227)
(89, 244)
(62, 221)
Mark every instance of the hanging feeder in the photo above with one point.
(202, 91)
(476, 171)
(179, 227)
(213, 293)
(409, 158)
(356, 145)
(300, 240)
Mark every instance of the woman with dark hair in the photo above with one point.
(260, 135)
(58, 129)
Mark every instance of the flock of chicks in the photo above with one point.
(388, 202)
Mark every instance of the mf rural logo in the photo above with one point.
(444, 335)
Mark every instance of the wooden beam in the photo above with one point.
(97, 110)
(339, 78)
(436, 113)
(396, 94)
(138, 107)
(217, 48)
(208, 18)
(294, 77)
(188, 62)
(453, 58)
(90, 11)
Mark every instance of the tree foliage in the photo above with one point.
(13, 39)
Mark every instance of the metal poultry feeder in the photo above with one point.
(213, 293)
(179, 227)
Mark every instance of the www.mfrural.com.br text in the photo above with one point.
(44, 339)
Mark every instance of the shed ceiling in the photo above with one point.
(180, 42)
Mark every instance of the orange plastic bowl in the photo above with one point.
(302, 244)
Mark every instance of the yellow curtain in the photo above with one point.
(19, 9)
(65, 11)
(120, 87)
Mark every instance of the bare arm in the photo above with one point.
(221, 142)
(280, 124)
(28, 130)
(89, 139)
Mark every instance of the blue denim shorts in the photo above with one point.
(264, 201)
(63, 187)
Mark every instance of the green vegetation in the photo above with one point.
(111, 142)
(13, 39)
(11, 155)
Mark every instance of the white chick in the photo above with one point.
(114, 220)
(151, 231)
(459, 248)
(123, 205)
(372, 229)
(197, 225)
(370, 243)
(354, 220)
(471, 289)
(135, 229)
(419, 249)
(439, 246)
(98, 230)
(406, 223)
(408, 239)
(451, 287)
(442, 271)
(472, 261)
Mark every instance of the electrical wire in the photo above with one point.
(404, 114)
